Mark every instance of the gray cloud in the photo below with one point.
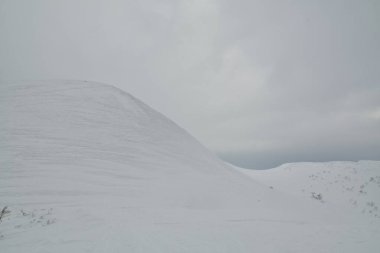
(259, 82)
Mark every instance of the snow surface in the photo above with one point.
(353, 187)
(85, 167)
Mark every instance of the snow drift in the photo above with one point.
(353, 187)
(70, 139)
(85, 167)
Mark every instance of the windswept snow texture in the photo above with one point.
(85, 167)
(353, 187)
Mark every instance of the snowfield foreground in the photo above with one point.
(85, 167)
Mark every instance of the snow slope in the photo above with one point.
(353, 187)
(85, 167)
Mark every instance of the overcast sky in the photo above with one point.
(258, 82)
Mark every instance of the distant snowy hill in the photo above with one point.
(85, 167)
(350, 186)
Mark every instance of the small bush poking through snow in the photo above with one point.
(317, 196)
(4, 212)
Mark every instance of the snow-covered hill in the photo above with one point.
(85, 167)
(353, 187)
